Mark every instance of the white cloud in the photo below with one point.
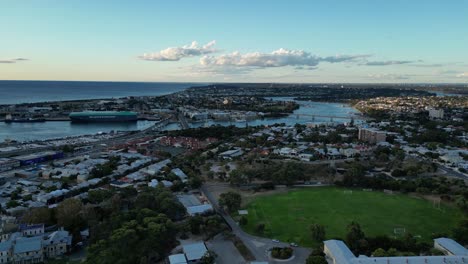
(13, 60)
(390, 76)
(278, 58)
(462, 75)
(390, 62)
(177, 53)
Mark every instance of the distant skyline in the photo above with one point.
(237, 41)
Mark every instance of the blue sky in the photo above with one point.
(265, 41)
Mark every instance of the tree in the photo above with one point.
(236, 177)
(355, 238)
(260, 228)
(161, 200)
(144, 235)
(231, 200)
(195, 182)
(243, 221)
(40, 215)
(318, 232)
(213, 225)
(380, 252)
(195, 222)
(98, 196)
(460, 233)
(68, 216)
(208, 258)
(316, 260)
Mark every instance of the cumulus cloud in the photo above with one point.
(462, 75)
(389, 62)
(278, 58)
(177, 53)
(13, 60)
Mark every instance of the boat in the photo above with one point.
(25, 120)
(103, 116)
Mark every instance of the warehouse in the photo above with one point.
(38, 157)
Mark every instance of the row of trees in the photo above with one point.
(220, 132)
(126, 227)
(286, 173)
(144, 233)
(383, 245)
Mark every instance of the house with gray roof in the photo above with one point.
(23, 248)
(5, 251)
(28, 250)
(57, 243)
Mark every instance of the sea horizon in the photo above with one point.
(19, 92)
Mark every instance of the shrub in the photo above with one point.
(281, 253)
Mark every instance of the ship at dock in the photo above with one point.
(103, 116)
(9, 119)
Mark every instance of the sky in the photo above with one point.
(364, 41)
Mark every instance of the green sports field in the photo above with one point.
(288, 216)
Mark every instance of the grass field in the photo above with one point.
(288, 216)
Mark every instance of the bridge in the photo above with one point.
(183, 121)
(313, 116)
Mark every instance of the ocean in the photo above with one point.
(16, 92)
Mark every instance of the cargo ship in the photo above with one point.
(103, 116)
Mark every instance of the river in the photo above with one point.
(57, 129)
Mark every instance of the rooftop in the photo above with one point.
(195, 251)
(27, 244)
(452, 246)
(177, 259)
(342, 255)
(23, 227)
(199, 209)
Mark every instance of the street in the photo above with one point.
(257, 245)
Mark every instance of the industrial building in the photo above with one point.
(38, 157)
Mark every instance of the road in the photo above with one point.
(453, 173)
(257, 245)
(183, 121)
(448, 171)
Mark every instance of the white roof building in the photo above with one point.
(338, 253)
(177, 259)
(195, 251)
(179, 173)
